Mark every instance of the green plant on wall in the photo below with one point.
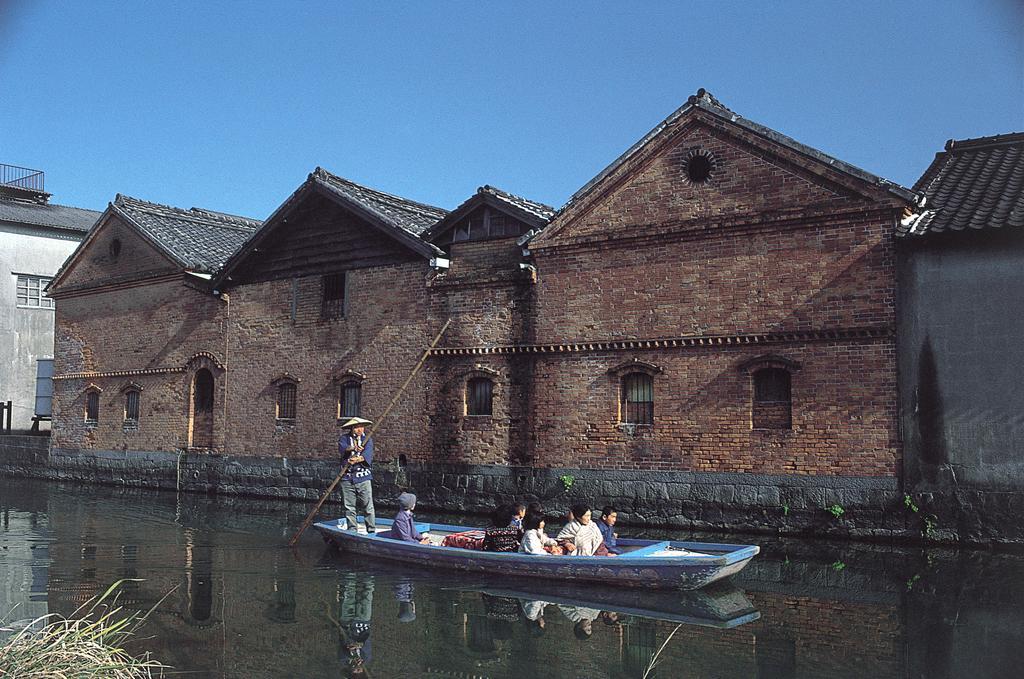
(837, 565)
(567, 481)
(785, 509)
(930, 522)
(835, 510)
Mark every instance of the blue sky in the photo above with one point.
(229, 105)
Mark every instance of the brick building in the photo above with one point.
(704, 334)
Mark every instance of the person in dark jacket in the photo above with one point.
(606, 523)
(501, 536)
(404, 527)
(356, 450)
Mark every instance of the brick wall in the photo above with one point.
(159, 327)
(763, 250)
(775, 257)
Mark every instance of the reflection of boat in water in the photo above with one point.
(721, 605)
(644, 563)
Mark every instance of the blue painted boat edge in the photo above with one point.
(505, 557)
(733, 553)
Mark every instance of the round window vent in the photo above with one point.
(700, 166)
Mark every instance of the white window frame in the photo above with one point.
(29, 291)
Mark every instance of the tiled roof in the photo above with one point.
(201, 240)
(47, 214)
(539, 210)
(403, 213)
(972, 184)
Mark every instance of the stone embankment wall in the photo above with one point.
(868, 508)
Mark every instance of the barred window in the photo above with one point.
(350, 395)
(131, 407)
(772, 407)
(92, 407)
(31, 292)
(638, 399)
(479, 396)
(333, 301)
(286, 401)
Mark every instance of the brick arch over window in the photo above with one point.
(91, 406)
(132, 393)
(634, 380)
(771, 391)
(202, 372)
(350, 394)
(286, 403)
(480, 385)
(204, 359)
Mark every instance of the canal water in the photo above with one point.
(232, 600)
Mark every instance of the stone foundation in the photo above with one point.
(865, 508)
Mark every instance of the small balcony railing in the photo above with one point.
(21, 177)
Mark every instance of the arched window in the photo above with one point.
(131, 407)
(350, 395)
(479, 396)
(772, 406)
(286, 394)
(637, 398)
(92, 407)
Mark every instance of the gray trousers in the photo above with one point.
(357, 498)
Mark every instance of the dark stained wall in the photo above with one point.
(961, 319)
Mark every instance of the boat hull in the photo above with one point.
(646, 567)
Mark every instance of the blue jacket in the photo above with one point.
(403, 528)
(608, 534)
(358, 472)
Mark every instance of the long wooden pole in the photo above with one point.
(373, 428)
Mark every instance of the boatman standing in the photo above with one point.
(356, 450)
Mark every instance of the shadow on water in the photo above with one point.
(242, 604)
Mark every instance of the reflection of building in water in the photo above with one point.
(199, 582)
(24, 568)
(640, 646)
(282, 603)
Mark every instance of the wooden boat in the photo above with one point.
(644, 563)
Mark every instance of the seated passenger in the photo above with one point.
(581, 536)
(606, 523)
(501, 537)
(519, 513)
(534, 540)
(404, 527)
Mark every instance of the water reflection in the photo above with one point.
(240, 604)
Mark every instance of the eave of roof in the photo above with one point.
(535, 214)
(49, 215)
(402, 219)
(704, 101)
(197, 240)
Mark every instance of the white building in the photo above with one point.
(36, 236)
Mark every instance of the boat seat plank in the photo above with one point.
(649, 549)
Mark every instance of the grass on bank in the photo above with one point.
(86, 645)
